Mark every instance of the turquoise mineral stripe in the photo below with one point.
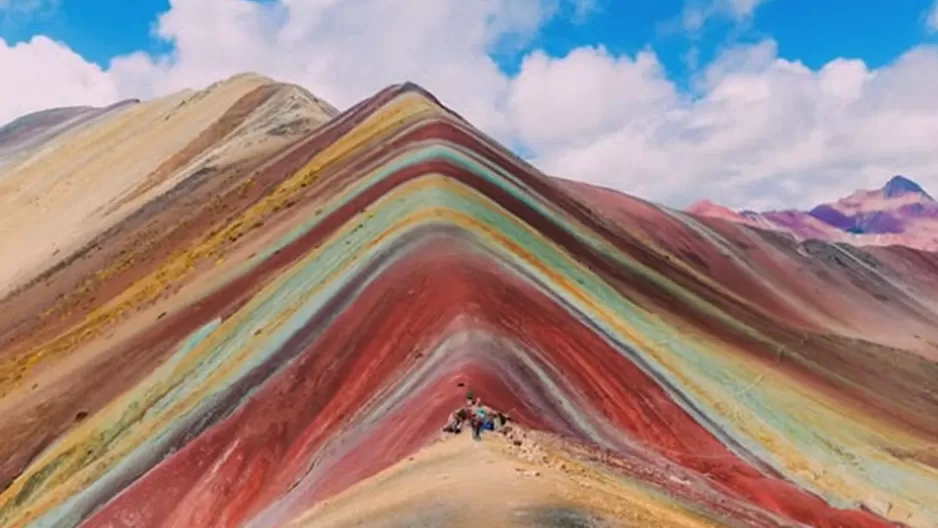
(417, 153)
(74, 509)
(610, 295)
(726, 380)
(434, 149)
(288, 293)
(723, 380)
(235, 332)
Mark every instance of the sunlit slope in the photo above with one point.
(89, 177)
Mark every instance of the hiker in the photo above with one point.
(480, 417)
(460, 416)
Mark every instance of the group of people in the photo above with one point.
(479, 417)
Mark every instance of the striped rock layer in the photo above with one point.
(253, 340)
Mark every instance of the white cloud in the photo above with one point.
(760, 129)
(345, 50)
(561, 103)
(763, 127)
(931, 19)
(341, 50)
(42, 73)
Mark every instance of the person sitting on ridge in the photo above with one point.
(460, 416)
(480, 418)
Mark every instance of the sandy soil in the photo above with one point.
(460, 482)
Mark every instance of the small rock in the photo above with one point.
(517, 442)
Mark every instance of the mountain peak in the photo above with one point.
(899, 185)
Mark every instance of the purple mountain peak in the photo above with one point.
(900, 185)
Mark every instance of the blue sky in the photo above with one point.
(96, 29)
(811, 31)
(761, 104)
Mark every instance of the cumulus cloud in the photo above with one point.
(757, 131)
(584, 96)
(344, 51)
(766, 132)
(42, 73)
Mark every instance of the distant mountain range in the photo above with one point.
(899, 213)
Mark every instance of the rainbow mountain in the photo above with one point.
(240, 307)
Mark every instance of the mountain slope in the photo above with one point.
(313, 322)
(86, 179)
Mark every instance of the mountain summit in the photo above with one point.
(900, 185)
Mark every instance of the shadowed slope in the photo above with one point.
(312, 326)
